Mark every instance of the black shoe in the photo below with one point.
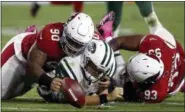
(34, 9)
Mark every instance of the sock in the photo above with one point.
(153, 22)
(147, 11)
(116, 32)
(115, 6)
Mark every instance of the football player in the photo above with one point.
(24, 57)
(157, 71)
(77, 6)
(93, 70)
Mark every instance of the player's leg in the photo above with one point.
(11, 72)
(14, 80)
(35, 6)
(77, 6)
(147, 11)
(115, 6)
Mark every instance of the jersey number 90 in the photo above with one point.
(55, 34)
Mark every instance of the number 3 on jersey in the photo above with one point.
(150, 94)
(55, 34)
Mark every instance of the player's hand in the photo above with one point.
(104, 82)
(31, 28)
(56, 84)
(117, 93)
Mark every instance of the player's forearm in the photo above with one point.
(92, 100)
(35, 62)
(34, 69)
(130, 42)
(96, 100)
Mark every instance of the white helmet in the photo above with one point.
(143, 68)
(98, 60)
(78, 31)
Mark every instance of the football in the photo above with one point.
(73, 92)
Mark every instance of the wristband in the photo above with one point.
(111, 86)
(103, 98)
(45, 80)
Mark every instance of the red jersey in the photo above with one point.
(48, 41)
(27, 43)
(178, 73)
(171, 57)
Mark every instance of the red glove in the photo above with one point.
(31, 28)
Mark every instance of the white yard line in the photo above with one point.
(174, 103)
(11, 31)
(42, 3)
(30, 109)
(60, 110)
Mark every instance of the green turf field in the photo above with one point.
(17, 18)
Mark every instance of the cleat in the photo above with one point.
(105, 26)
(34, 9)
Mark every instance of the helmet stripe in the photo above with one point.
(105, 54)
(70, 69)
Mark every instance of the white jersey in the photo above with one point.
(70, 67)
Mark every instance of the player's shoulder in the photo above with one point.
(50, 29)
(54, 24)
(151, 41)
(151, 38)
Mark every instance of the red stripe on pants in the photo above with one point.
(7, 53)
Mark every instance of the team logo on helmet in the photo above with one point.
(92, 47)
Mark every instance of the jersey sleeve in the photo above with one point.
(48, 39)
(149, 42)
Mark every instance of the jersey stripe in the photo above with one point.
(104, 58)
(62, 70)
(109, 56)
(113, 70)
(67, 70)
(116, 54)
(70, 69)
